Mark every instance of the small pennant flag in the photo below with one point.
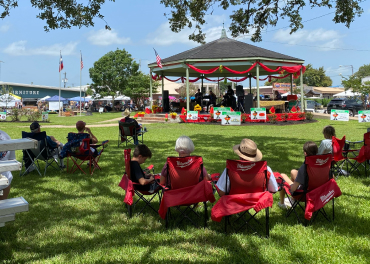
(82, 63)
(60, 63)
(158, 59)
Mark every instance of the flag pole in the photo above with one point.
(60, 82)
(80, 79)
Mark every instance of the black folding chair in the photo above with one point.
(31, 157)
(128, 133)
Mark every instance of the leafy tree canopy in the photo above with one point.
(252, 16)
(112, 72)
(363, 71)
(355, 82)
(312, 77)
(138, 87)
(223, 86)
(61, 13)
(182, 90)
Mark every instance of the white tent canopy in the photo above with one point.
(7, 100)
(43, 98)
(347, 93)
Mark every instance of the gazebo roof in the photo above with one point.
(227, 48)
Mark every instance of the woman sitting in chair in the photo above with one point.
(184, 146)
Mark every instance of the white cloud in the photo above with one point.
(105, 37)
(4, 28)
(163, 36)
(323, 39)
(19, 49)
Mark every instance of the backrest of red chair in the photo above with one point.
(367, 151)
(184, 171)
(367, 138)
(84, 146)
(292, 97)
(318, 170)
(246, 176)
(127, 154)
(338, 145)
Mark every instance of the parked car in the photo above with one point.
(312, 106)
(353, 105)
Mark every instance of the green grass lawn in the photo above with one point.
(80, 218)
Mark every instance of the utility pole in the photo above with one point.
(65, 80)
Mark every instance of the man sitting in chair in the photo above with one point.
(127, 119)
(246, 150)
(52, 142)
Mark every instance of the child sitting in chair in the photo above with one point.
(147, 182)
(297, 177)
(326, 144)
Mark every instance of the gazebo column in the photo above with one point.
(187, 90)
(258, 85)
(162, 89)
(302, 95)
(151, 89)
(291, 83)
(201, 90)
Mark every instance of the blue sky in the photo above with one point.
(31, 55)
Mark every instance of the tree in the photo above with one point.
(61, 13)
(182, 90)
(138, 87)
(253, 16)
(354, 82)
(312, 77)
(363, 71)
(111, 73)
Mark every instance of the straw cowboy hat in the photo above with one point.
(248, 150)
(126, 113)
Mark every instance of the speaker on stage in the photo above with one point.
(166, 101)
(239, 90)
(248, 103)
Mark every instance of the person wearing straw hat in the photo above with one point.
(127, 119)
(246, 150)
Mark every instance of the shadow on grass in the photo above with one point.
(83, 214)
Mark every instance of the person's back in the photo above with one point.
(326, 144)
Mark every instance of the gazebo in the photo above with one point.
(227, 58)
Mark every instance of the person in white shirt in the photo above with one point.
(246, 150)
(326, 144)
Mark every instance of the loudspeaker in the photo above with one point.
(239, 90)
(166, 101)
(248, 103)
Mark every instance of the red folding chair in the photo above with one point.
(319, 189)
(131, 189)
(83, 153)
(340, 155)
(248, 190)
(186, 186)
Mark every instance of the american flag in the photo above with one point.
(158, 59)
(60, 63)
(82, 63)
